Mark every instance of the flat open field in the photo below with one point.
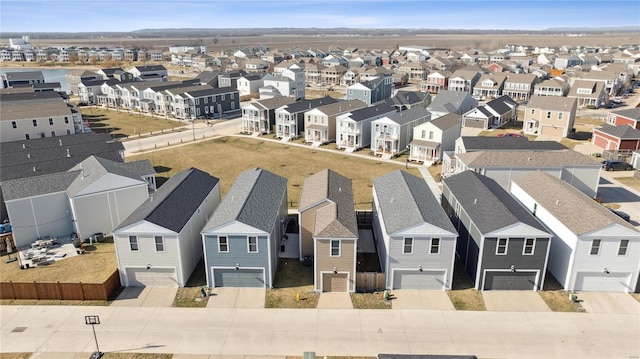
(457, 42)
(227, 157)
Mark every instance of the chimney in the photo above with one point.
(68, 154)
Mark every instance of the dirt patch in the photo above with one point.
(556, 298)
(374, 300)
(292, 287)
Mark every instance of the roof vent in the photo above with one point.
(24, 146)
(529, 158)
(557, 202)
(475, 201)
(60, 141)
(34, 168)
(28, 155)
(68, 154)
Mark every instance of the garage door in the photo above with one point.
(334, 282)
(552, 131)
(413, 279)
(474, 123)
(153, 277)
(248, 278)
(510, 281)
(601, 282)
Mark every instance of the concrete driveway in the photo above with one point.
(236, 298)
(145, 297)
(335, 300)
(420, 299)
(608, 302)
(514, 301)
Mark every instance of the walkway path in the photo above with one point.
(231, 331)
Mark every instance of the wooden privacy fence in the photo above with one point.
(370, 281)
(61, 291)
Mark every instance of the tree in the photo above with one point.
(215, 40)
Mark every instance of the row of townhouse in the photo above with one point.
(80, 55)
(506, 240)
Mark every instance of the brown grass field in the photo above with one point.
(227, 157)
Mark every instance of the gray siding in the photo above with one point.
(147, 254)
(513, 256)
(356, 94)
(238, 254)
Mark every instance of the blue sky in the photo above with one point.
(118, 15)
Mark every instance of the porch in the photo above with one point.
(424, 151)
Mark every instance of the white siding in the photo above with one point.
(147, 253)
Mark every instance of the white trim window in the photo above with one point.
(223, 244)
(501, 247)
(595, 247)
(624, 246)
(335, 248)
(133, 243)
(529, 246)
(435, 246)
(407, 246)
(252, 244)
(159, 242)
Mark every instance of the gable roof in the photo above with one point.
(254, 199)
(37, 185)
(406, 116)
(370, 112)
(577, 211)
(633, 113)
(447, 121)
(93, 168)
(479, 143)
(526, 158)
(624, 132)
(502, 104)
(339, 219)
(175, 202)
(487, 204)
(552, 103)
(405, 200)
(305, 105)
(449, 101)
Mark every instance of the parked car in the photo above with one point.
(617, 100)
(611, 104)
(621, 214)
(609, 165)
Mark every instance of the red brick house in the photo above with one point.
(629, 117)
(617, 138)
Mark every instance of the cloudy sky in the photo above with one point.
(118, 15)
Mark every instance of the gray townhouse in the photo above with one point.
(391, 135)
(353, 129)
(371, 91)
(290, 118)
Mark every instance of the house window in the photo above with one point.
(501, 249)
(560, 115)
(222, 97)
(622, 250)
(206, 100)
(223, 245)
(133, 243)
(407, 248)
(35, 123)
(548, 114)
(230, 96)
(50, 121)
(529, 245)
(533, 111)
(66, 119)
(26, 136)
(335, 248)
(159, 243)
(14, 124)
(252, 244)
(424, 134)
(431, 135)
(68, 131)
(53, 133)
(197, 101)
(435, 246)
(595, 247)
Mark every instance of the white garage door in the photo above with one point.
(602, 282)
(153, 277)
(414, 279)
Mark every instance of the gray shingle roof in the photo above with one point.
(539, 159)
(552, 103)
(447, 121)
(24, 75)
(93, 168)
(337, 220)
(49, 155)
(479, 143)
(448, 101)
(502, 104)
(577, 211)
(371, 111)
(38, 185)
(254, 199)
(488, 205)
(409, 115)
(624, 132)
(306, 105)
(175, 202)
(406, 200)
(633, 113)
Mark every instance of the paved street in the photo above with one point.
(228, 331)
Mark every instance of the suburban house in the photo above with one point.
(290, 117)
(329, 231)
(435, 81)
(629, 117)
(415, 70)
(18, 78)
(242, 238)
(463, 80)
(390, 135)
(588, 93)
(93, 196)
(332, 74)
(259, 117)
(416, 242)
(489, 86)
(451, 102)
(592, 248)
(432, 138)
(549, 116)
(354, 128)
(209, 102)
(616, 138)
(320, 123)
(404, 100)
(502, 246)
(290, 82)
(371, 91)
(156, 73)
(519, 86)
(249, 85)
(159, 244)
(230, 78)
(579, 170)
(552, 87)
(495, 113)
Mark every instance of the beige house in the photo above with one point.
(588, 93)
(549, 116)
(329, 231)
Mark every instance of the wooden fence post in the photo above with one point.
(59, 292)
(35, 286)
(82, 291)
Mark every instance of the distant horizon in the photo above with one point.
(77, 16)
